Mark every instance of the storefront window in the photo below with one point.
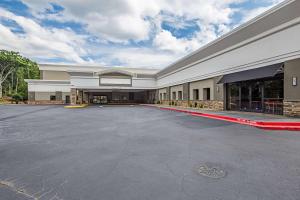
(273, 98)
(256, 96)
(179, 95)
(233, 102)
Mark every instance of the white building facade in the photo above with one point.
(254, 68)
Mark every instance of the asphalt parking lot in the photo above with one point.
(141, 153)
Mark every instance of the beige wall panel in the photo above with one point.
(292, 69)
(55, 75)
(176, 89)
(64, 94)
(200, 85)
(161, 93)
(43, 95)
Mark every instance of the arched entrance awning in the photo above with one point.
(116, 72)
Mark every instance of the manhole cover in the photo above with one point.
(211, 172)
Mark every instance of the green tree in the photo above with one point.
(14, 69)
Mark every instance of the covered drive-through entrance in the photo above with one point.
(114, 96)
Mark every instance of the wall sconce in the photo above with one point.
(294, 81)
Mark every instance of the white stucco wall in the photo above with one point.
(93, 82)
(265, 49)
(48, 87)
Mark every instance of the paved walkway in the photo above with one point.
(244, 115)
(270, 122)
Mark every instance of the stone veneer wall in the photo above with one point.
(211, 105)
(73, 96)
(291, 108)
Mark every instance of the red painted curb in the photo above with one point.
(289, 126)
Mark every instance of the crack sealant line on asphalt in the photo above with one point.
(20, 191)
(25, 113)
(289, 126)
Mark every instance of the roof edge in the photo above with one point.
(223, 37)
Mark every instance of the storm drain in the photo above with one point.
(211, 171)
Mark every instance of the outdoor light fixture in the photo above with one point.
(294, 81)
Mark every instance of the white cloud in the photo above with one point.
(39, 42)
(250, 14)
(144, 58)
(122, 20)
(118, 23)
(166, 41)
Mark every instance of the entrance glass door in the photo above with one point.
(245, 97)
(233, 97)
(100, 99)
(256, 97)
(264, 95)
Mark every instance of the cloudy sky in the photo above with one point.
(131, 33)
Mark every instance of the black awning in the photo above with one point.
(262, 72)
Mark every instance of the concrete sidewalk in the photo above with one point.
(264, 121)
(237, 114)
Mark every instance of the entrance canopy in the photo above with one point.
(263, 72)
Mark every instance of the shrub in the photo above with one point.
(16, 98)
(195, 104)
(158, 102)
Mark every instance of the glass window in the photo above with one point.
(174, 95)
(196, 94)
(233, 97)
(52, 98)
(273, 96)
(273, 89)
(206, 94)
(256, 96)
(179, 95)
(245, 96)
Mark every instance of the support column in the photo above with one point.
(291, 105)
(186, 94)
(168, 89)
(225, 94)
(85, 97)
(79, 96)
(156, 98)
(73, 96)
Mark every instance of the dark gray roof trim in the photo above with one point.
(255, 27)
(145, 76)
(263, 72)
(81, 73)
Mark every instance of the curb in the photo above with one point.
(76, 106)
(288, 126)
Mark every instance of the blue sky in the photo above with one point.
(131, 33)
